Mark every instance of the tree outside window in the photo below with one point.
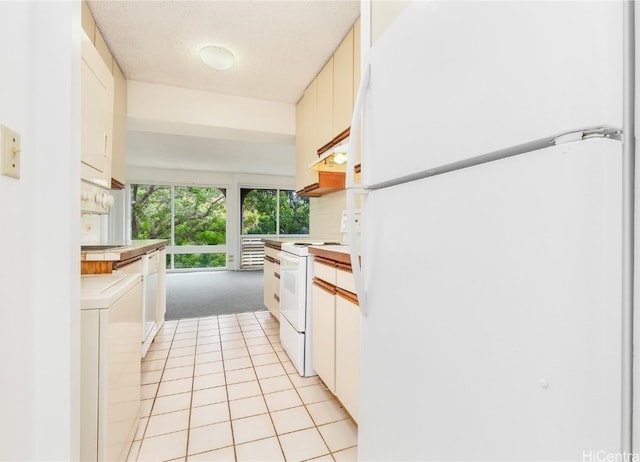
(272, 211)
(198, 219)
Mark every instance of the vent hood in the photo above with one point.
(333, 160)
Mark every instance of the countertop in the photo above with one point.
(100, 291)
(276, 242)
(121, 253)
(339, 253)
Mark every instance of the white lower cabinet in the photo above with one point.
(336, 332)
(347, 352)
(271, 296)
(161, 306)
(111, 326)
(323, 338)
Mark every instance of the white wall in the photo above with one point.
(199, 113)
(40, 216)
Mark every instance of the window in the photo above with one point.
(293, 213)
(266, 210)
(269, 212)
(192, 219)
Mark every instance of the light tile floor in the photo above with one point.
(221, 388)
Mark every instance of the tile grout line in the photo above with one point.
(260, 385)
(164, 366)
(193, 379)
(187, 455)
(280, 362)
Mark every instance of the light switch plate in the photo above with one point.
(9, 152)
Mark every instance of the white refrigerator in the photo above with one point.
(495, 233)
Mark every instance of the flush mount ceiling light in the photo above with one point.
(217, 57)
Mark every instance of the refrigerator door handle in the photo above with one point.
(352, 189)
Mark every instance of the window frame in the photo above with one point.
(172, 248)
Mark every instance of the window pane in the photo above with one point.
(294, 213)
(201, 216)
(258, 211)
(150, 212)
(200, 260)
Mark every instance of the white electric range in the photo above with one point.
(296, 275)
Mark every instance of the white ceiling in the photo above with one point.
(279, 47)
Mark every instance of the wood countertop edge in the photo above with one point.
(339, 257)
(138, 251)
(127, 253)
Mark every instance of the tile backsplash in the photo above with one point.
(325, 216)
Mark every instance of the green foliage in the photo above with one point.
(200, 219)
(201, 216)
(259, 214)
(200, 260)
(150, 212)
(294, 213)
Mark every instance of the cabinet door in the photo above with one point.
(97, 116)
(275, 293)
(347, 354)
(356, 84)
(89, 362)
(161, 307)
(307, 136)
(121, 326)
(357, 65)
(300, 154)
(119, 126)
(325, 105)
(343, 85)
(268, 283)
(323, 323)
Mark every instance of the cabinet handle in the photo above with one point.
(325, 261)
(104, 152)
(277, 275)
(350, 297)
(276, 297)
(330, 288)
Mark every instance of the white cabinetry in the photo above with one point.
(110, 365)
(97, 88)
(271, 295)
(347, 351)
(336, 331)
(323, 328)
(161, 307)
(152, 268)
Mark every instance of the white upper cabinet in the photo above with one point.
(96, 116)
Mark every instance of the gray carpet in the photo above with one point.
(190, 295)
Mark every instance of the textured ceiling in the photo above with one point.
(279, 47)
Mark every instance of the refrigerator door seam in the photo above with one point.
(628, 445)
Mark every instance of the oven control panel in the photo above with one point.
(94, 198)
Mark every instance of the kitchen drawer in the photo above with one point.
(345, 280)
(325, 270)
(271, 252)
